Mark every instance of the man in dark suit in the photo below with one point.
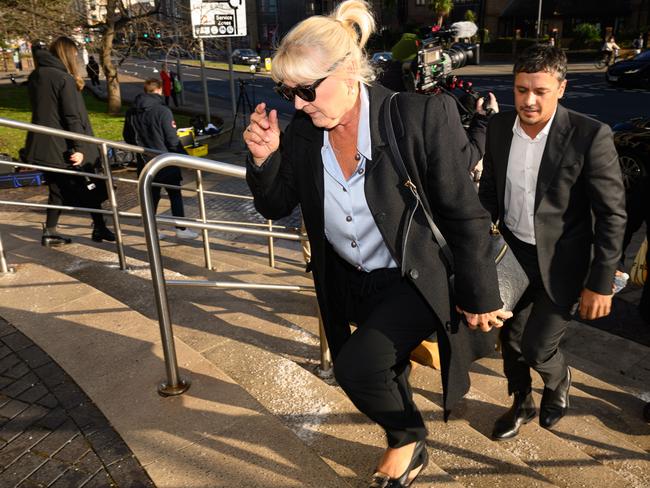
(552, 181)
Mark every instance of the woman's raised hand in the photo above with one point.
(262, 136)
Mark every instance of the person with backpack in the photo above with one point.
(150, 123)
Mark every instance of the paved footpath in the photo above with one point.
(51, 434)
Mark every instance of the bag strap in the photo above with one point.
(408, 183)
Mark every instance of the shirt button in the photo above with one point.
(348, 219)
(353, 244)
(361, 170)
(413, 273)
(359, 268)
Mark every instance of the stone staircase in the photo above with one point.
(257, 414)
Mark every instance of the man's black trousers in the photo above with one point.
(531, 338)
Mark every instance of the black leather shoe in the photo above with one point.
(51, 240)
(522, 411)
(419, 461)
(102, 234)
(555, 403)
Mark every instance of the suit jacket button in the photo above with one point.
(380, 217)
(413, 273)
(448, 326)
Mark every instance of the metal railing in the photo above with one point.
(114, 211)
(175, 385)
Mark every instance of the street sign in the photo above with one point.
(226, 18)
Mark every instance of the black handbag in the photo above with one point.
(512, 278)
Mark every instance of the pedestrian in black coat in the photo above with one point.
(92, 69)
(150, 123)
(371, 266)
(55, 95)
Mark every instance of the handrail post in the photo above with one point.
(271, 248)
(4, 269)
(174, 384)
(325, 370)
(203, 215)
(113, 202)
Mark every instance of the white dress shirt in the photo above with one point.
(521, 180)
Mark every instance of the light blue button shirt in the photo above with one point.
(349, 225)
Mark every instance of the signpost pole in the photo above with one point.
(232, 82)
(204, 82)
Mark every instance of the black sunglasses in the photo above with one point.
(307, 93)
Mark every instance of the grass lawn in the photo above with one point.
(14, 104)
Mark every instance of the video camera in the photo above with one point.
(429, 71)
(434, 63)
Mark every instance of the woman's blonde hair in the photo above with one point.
(319, 45)
(66, 50)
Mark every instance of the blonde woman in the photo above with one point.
(55, 95)
(334, 160)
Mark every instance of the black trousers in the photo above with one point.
(63, 193)
(373, 365)
(531, 338)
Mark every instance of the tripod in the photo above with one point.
(242, 101)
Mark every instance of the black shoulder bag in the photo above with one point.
(512, 277)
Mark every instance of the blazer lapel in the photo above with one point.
(378, 98)
(558, 139)
(501, 154)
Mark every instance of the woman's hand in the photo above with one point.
(485, 321)
(77, 158)
(492, 105)
(262, 136)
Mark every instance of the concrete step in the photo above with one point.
(214, 435)
(267, 342)
(594, 430)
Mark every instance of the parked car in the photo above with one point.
(381, 57)
(632, 140)
(631, 72)
(245, 56)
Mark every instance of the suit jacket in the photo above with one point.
(579, 201)
(436, 152)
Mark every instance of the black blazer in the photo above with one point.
(579, 201)
(437, 152)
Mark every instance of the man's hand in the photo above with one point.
(485, 321)
(492, 104)
(77, 158)
(262, 136)
(594, 305)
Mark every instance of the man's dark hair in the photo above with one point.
(542, 58)
(151, 85)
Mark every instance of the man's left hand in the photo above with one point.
(594, 305)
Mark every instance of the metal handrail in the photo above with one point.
(174, 384)
(109, 179)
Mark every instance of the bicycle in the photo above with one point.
(606, 59)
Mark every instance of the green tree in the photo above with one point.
(441, 8)
(583, 34)
(470, 16)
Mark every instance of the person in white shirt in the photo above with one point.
(552, 180)
(610, 50)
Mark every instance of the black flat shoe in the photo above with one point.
(555, 403)
(522, 411)
(419, 461)
(54, 241)
(102, 234)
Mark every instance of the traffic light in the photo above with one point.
(145, 35)
(87, 39)
(158, 35)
